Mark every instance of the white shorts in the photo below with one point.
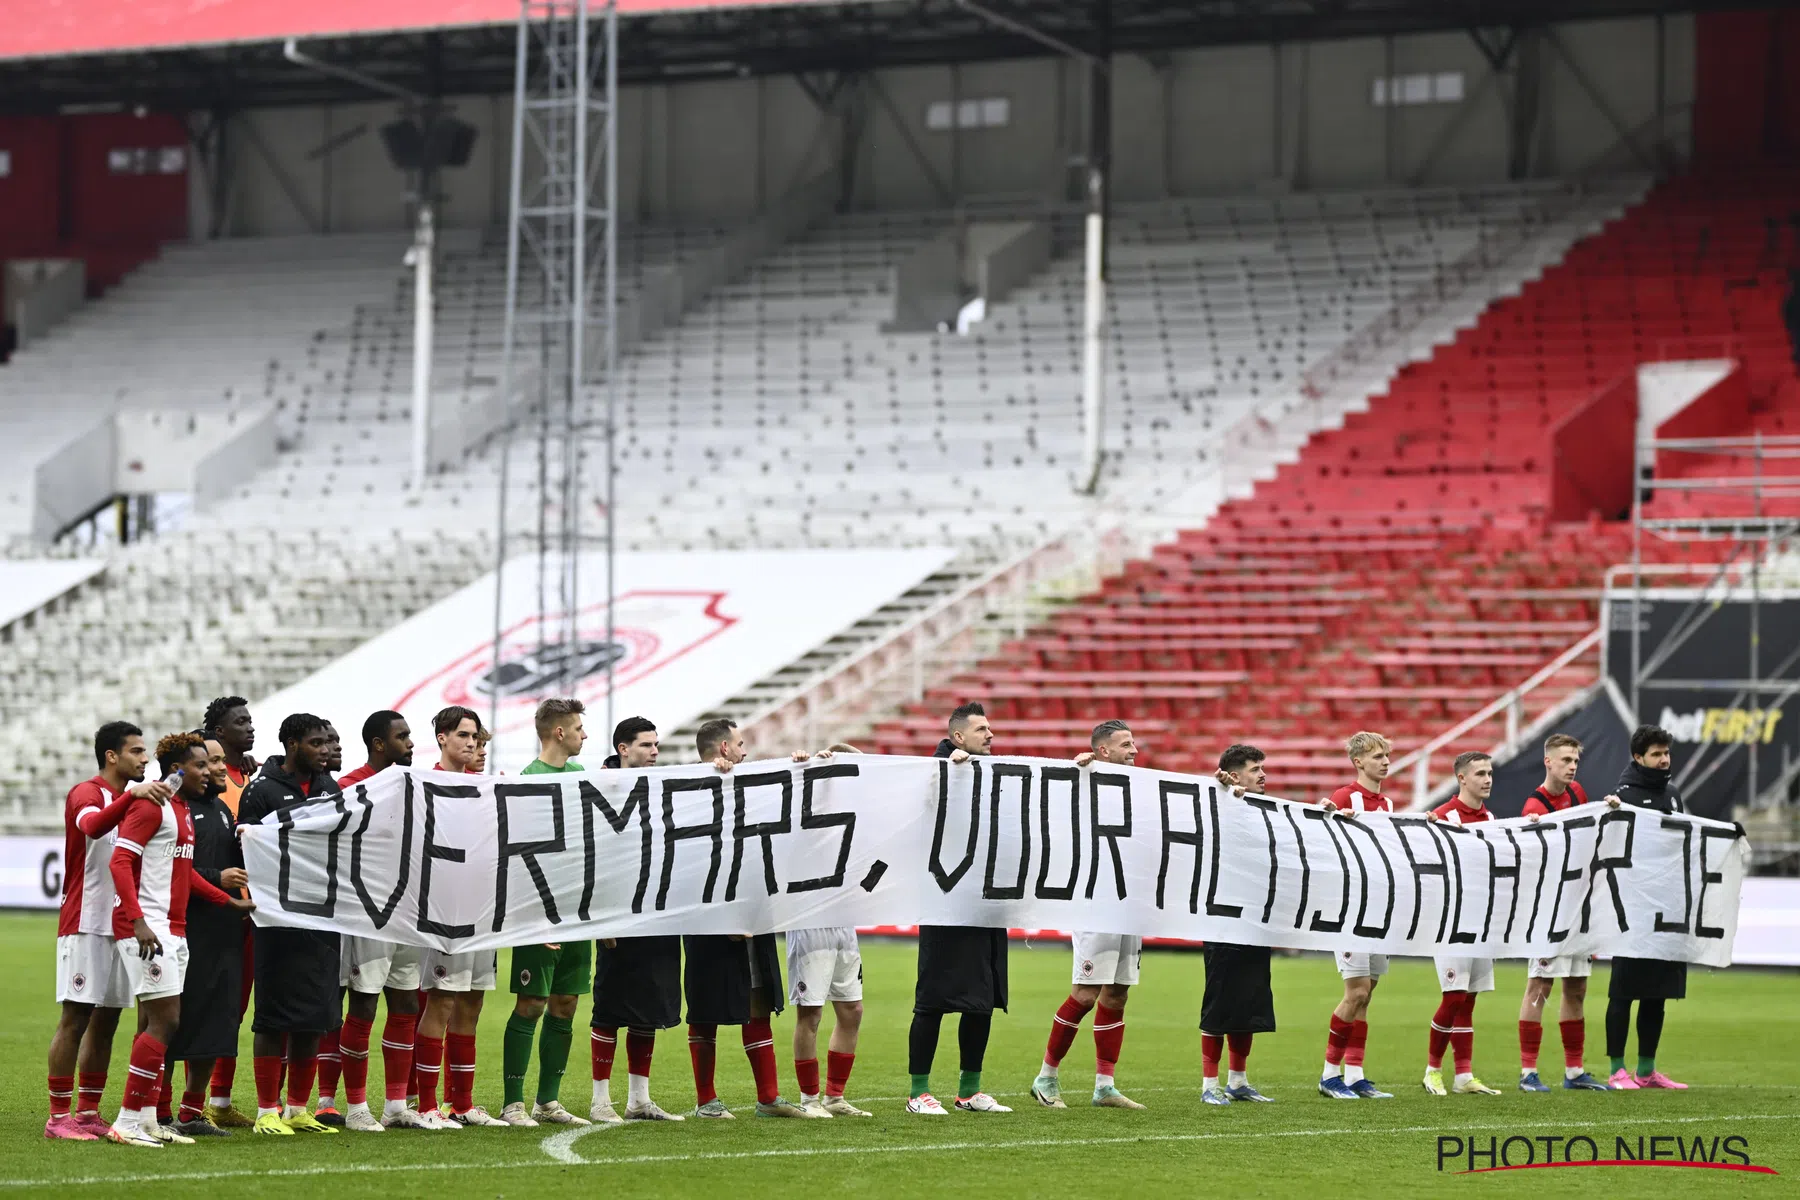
(1563, 966)
(370, 965)
(1465, 974)
(471, 972)
(1107, 958)
(159, 977)
(88, 971)
(1352, 965)
(823, 965)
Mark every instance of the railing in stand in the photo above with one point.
(1511, 705)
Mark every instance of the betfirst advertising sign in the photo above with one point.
(688, 632)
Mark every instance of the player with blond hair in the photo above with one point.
(1343, 1075)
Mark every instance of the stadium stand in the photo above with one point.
(777, 413)
(1407, 569)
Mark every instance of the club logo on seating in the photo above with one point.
(537, 654)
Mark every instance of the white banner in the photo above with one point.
(31, 872)
(463, 863)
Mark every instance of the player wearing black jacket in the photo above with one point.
(296, 969)
(1649, 981)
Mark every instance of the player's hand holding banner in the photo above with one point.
(461, 863)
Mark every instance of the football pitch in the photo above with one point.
(1736, 1040)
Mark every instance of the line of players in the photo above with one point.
(156, 913)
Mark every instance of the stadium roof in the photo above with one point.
(180, 55)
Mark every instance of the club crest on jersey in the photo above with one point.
(153, 972)
(440, 971)
(651, 629)
(524, 975)
(1087, 968)
(79, 981)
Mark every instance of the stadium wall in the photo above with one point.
(1200, 122)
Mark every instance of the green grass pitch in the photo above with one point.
(1736, 1039)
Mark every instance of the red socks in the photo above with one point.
(1574, 1034)
(301, 1073)
(602, 1044)
(268, 1080)
(806, 1074)
(640, 1047)
(1442, 1022)
(397, 1037)
(1240, 1049)
(1531, 1036)
(89, 1087)
(353, 1045)
(165, 1093)
(62, 1094)
(146, 1072)
(331, 1063)
(193, 1102)
(1337, 1040)
(1212, 1048)
(1359, 1038)
(428, 1060)
(1063, 1027)
(459, 1060)
(703, 1048)
(223, 1077)
(837, 1071)
(1109, 1037)
(759, 1048)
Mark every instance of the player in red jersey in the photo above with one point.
(1106, 967)
(1559, 791)
(374, 969)
(1342, 1078)
(91, 984)
(228, 720)
(456, 984)
(152, 872)
(1461, 979)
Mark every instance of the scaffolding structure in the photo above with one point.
(1759, 475)
(559, 339)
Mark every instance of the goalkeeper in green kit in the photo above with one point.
(548, 980)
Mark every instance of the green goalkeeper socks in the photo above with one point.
(920, 1085)
(1617, 1061)
(968, 1084)
(516, 1057)
(1646, 1066)
(553, 1056)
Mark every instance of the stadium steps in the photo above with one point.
(968, 565)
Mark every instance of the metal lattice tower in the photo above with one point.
(561, 297)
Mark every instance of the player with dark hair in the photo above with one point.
(1342, 1078)
(733, 980)
(228, 720)
(1106, 965)
(1559, 791)
(373, 969)
(961, 969)
(548, 980)
(1461, 978)
(1239, 1001)
(456, 984)
(91, 982)
(296, 969)
(1652, 982)
(152, 871)
(209, 998)
(825, 966)
(637, 981)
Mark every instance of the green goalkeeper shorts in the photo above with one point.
(565, 970)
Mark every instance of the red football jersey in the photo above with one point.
(1357, 798)
(91, 813)
(1541, 803)
(152, 866)
(1458, 813)
(366, 771)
